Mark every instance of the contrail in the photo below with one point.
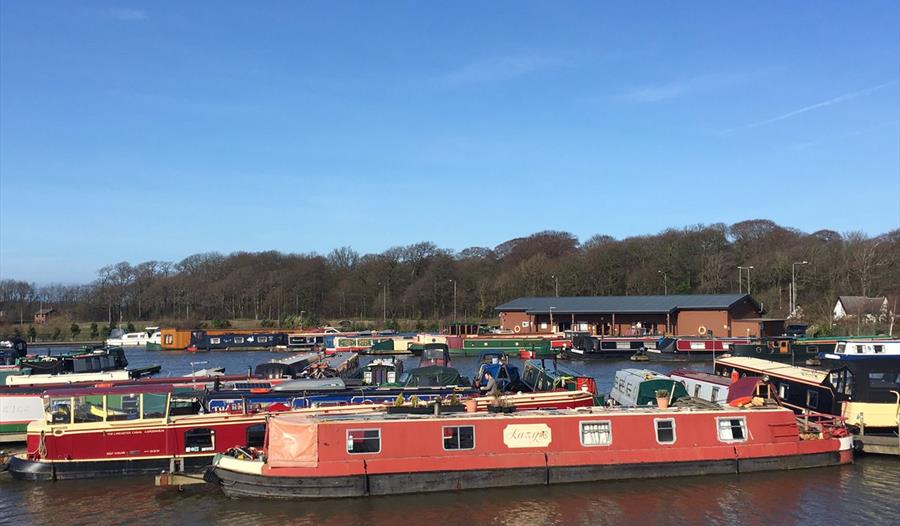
(829, 102)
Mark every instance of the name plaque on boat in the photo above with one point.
(527, 435)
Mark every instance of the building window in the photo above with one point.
(256, 435)
(732, 429)
(596, 433)
(812, 399)
(199, 440)
(461, 437)
(363, 441)
(665, 430)
(715, 394)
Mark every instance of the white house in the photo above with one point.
(871, 310)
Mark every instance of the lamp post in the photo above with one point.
(556, 284)
(748, 278)
(794, 284)
(665, 276)
(383, 304)
(551, 319)
(454, 302)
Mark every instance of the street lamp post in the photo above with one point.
(794, 284)
(454, 302)
(740, 275)
(383, 305)
(556, 284)
(551, 319)
(665, 282)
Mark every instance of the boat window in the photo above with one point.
(596, 433)
(697, 391)
(123, 407)
(859, 349)
(890, 380)
(60, 410)
(665, 430)
(732, 429)
(200, 439)
(783, 391)
(878, 348)
(262, 339)
(154, 405)
(238, 339)
(215, 341)
(256, 435)
(811, 349)
(363, 441)
(812, 399)
(459, 437)
(169, 338)
(88, 409)
(715, 394)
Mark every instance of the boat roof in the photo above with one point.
(779, 370)
(99, 389)
(644, 374)
(702, 376)
(625, 304)
(596, 411)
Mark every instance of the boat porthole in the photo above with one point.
(58, 432)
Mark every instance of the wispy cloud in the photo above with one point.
(682, 87)
(126, 14)
(824, 104)
(499, 69)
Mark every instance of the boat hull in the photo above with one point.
(238, 484)
(41, 471)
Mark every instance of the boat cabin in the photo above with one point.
(638, 387)
(541, 375)
(382, 371)
(435, 354)
(505, 375)
(705, 386)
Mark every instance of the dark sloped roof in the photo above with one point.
(623, 304)
(861, 304)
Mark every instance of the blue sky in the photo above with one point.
(136, 131)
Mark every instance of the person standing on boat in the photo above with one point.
(490, 385)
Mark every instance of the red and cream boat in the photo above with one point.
(379, 454)
(121, 430)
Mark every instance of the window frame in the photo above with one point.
(812, 394)
(444, 439)
(255, 428)
(656, 422)
(347, 441)
(581, 424)
(714, 394)
(744, 428)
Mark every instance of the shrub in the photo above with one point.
(94, 331)
(75, 330)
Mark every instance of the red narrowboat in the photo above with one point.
(381, 454)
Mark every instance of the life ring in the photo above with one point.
(517, 329)
(701, 330)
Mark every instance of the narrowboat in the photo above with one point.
(382, 371)
(863, 392)
(506, 376)
(120, 338)
(683, 349)
(383, 454)
(705, 386)
(587, 346)
(87, 365)
(533, 347)
(638, 387)
(539, 375)
(783, 349)
(118, 431)
(236, 341)
(847, 350)
(290, 367)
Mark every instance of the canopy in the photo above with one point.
(433, 376)
(293, 442)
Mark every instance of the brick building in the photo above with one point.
(682, 315)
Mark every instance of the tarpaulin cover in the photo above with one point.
(742, 391)
(293, 442)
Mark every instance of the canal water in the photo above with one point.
(867, 492)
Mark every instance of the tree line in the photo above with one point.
(425, 282)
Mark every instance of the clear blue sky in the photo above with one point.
(136, 131)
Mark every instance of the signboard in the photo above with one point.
(527, 435)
